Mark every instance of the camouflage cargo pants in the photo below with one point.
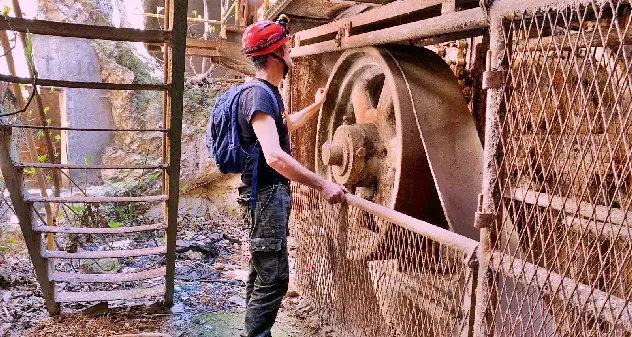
(269, 269)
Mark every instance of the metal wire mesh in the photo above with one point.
(369, 276)
(562, 250)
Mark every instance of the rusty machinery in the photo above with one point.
(397, 130)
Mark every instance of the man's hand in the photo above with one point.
(333, 193)
(321, 94)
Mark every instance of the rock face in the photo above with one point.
(122, 62)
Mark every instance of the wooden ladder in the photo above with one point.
(43, 258)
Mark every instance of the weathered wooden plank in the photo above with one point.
(64, 29)
(87, 85)
(586, 299)
(67, 128)
(24, 212)
(30, 142)
(179, 30)
(91, 167)
(94, 296)
(572, 206)
(108, 278)
(93, 200)
(599, 228)
(386, 12)
(87, 230)
(104, 253)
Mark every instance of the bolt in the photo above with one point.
(332, 154)
(361, 152)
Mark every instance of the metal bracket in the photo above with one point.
(485, 5)
(493, 79)
(484, 220)
(343, 32)
(448, 6)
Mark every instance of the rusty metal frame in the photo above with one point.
(470, 20)
(175, 48)
(491, 262)
(177, 69)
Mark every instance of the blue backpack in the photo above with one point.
(222, 135)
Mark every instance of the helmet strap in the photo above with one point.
(286, 68)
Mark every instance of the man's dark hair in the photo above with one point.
(260, 61)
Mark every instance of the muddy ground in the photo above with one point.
(210, 290)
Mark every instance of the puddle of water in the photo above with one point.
(230, 325)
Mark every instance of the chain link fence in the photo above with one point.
(561, 246)
(371, 271)
(557, 259)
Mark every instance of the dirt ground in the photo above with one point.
(209, 291)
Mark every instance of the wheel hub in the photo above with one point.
(352, 154)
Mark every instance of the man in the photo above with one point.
(259, 120)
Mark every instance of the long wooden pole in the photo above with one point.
(24, 212)
(179, 32)
(30, 142)
(50, 151)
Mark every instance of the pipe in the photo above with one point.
(485, 294)
(470, 19)
(508, 8)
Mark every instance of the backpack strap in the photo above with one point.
(255, 152)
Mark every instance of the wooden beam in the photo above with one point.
(90, 230)
(166, 101)
(67, 128)
(87, 85)
(599, 228)
(103, 254)
(42, 27)
(96, 200)
(175, 124)
(386, 12)
(572, 206)
(162, 16)
(91, 167)
(586, 299)
(202, 52)
(108, 278)
(95, 296)
(30, 142)
(24, 212)
(48, 139)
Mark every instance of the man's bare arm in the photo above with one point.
(298, 119)
(266, 131)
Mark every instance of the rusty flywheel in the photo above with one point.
(395, 129)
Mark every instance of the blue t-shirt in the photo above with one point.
(257, 99)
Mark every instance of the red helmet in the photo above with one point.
(264, 37)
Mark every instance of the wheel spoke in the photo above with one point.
(362, 106)
(385, 104)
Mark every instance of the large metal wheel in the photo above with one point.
(395, 129)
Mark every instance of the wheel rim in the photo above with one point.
(386, 101)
